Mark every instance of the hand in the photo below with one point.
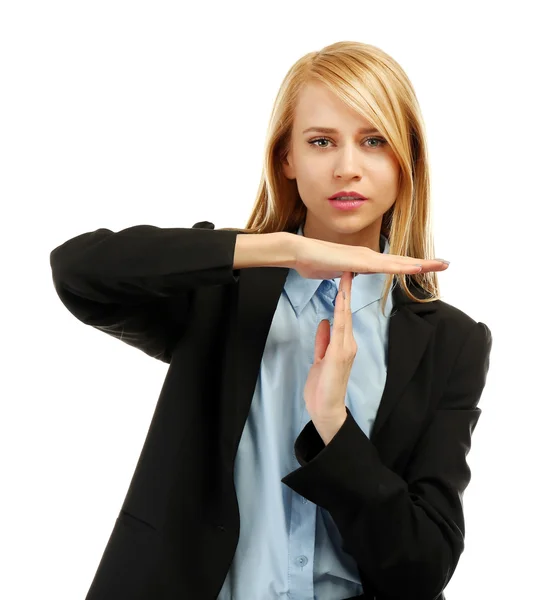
(317, 259)
(326, 385)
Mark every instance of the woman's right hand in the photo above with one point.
(317, 259)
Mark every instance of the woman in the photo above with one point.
(309, 441)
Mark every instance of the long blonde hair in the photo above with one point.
(372, 83)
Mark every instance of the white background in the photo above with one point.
(116, 114)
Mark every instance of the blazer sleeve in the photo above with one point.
(406, 534)
(137, 284)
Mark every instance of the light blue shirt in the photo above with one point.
(288, 546)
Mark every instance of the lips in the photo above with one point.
(346, 194)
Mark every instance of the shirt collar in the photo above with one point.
(365, 288)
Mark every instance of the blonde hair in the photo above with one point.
(372, 83)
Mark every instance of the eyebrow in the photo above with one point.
(332, 130)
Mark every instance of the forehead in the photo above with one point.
(319, 106)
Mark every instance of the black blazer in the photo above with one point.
(396, 497)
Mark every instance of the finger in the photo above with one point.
(395, 261)
(403, 267)
(348, 286)
(322, 339)
(338, 332)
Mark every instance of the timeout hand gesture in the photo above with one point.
(326, 385)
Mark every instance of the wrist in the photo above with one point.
(286, 245)
(327, 426)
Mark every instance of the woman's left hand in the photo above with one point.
(326, 385)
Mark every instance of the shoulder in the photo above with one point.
(458, 328)
(453, 315)
(453, 326)
(438, 311)
(203, 225)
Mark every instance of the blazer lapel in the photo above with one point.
(259, 292)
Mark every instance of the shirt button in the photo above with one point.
(302, 561)
(304, 500)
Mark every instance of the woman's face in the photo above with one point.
(346, 160)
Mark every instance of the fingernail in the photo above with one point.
(442, 260)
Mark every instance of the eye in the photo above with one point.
(381, 140)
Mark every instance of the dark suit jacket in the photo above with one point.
(396, 497)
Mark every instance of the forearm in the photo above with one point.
(264, 250)
(403, 535)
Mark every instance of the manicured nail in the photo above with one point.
(442, 260)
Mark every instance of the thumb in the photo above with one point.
(322, 340)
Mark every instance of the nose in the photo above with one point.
(347, 165)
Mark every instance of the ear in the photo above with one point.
(287, 166)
